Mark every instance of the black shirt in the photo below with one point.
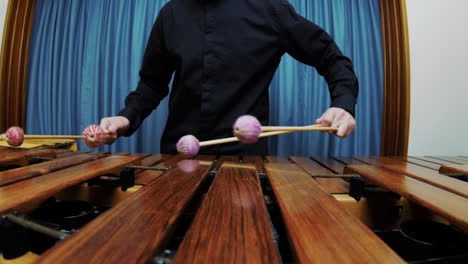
(224, 54)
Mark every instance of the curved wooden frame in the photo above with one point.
(14, 62)
(396, 114)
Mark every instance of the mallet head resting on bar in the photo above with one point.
(247, 129)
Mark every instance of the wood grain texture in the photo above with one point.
(232, 224)
(225, 158)
(228, 158)
(134, 229)
(426, 175)
(257, 160)
(423, 163)
(433, 160)
(27, 172)
(349, 161)
(370, 160)
(151, 160)
(451, 169)
(447, 204)
(142, 178)
(454, 160)
(319, 227)
(331, 164)
(20, 155)
(14, 63)
(121, 154)
(165, 161)
(17, 194)
(277, 159)
(68, 154)
(205, 157)
(312, 167)
(4, 150)
(396, 63)
(61, 151)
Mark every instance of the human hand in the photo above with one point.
(338, 117)
(114, 127)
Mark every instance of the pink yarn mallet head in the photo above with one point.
(15, 136)
(94, 136)
(247, 129)
(188, 146)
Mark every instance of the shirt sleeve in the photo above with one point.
(311, 45)
(155, 74)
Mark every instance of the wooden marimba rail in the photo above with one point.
(234, 209)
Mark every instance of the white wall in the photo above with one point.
(3, 8)
(438, 31)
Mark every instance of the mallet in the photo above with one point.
(93, 136)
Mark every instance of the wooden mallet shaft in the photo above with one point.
(298, 128)
(52, 137)
(267, 134)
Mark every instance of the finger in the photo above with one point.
(104, 123)
(109, 141)
(339, 119)
(106, 126)
(337, 122)
(342, 130)
(351, 128)
(113, 128)
(111, 134)
(327, 118)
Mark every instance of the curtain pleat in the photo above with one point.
(299, 95)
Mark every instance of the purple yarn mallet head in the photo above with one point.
(247, 129)
(188, 146)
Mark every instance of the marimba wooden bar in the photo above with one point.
(232, 225)
(22, 173)
(453, 169)
(15, 156)
(22, 192)
(133, 230)
(423, 174)
(312, 167)
(316, 225)
(447, 204)
(229, 209)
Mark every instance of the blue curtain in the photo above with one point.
(299, 95)
(85, 57)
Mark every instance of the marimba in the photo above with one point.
(74, 207)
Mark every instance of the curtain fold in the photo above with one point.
(86, 56)
(396, 116)
(85, 59)
(299, 95)
(13, 63)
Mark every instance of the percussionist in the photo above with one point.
(224, 54)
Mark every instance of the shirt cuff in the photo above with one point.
(346, 102)
(133, 118)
